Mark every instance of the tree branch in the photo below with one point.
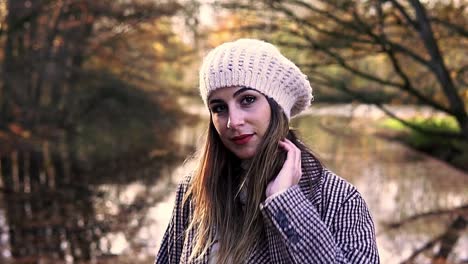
(459, 210)
(405, 14)
(381, 40)
(440, 70)
(335, 34)
(405, 86)
(421, 249)
(326, 14)
(450, 26)
(447, 241)
(341, 85)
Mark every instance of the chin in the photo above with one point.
(244, 154)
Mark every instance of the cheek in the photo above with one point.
(218, 124)
(266, 121)
(265, 126)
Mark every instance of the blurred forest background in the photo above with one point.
(92, 92)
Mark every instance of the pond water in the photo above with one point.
(398, 184)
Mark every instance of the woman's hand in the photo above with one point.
(290, 173)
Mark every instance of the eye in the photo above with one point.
(219, 108)
(248, 99)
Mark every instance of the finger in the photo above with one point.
(284, 144)
(290, 162)
(292, 147)
(296, 157)
(287, 144)
(290, 154)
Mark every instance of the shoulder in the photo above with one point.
(323, 182)
(186, 181)
(334, 184)
(331, 181)
(183, 185)
(183, 206)
(336, 189)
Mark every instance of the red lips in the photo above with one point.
(242, 139)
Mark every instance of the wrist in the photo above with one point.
(270, 195)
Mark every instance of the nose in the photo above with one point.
(235, 119)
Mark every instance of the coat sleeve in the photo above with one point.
(173, 239)
(292, 221)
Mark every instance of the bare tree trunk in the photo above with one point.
(44, 48)
(13, 98)
(450, 238)
(440, 69)
(344, 33)
(48, 203)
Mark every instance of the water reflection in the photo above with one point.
(396, 182)
(48, 210)
(121, 217)
(60, 206)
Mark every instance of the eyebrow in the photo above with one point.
(214, 101)
(241, 90)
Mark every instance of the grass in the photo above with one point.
(450, 149)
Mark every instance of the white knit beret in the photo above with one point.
(259, 65)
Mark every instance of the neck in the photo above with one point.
(245, 164)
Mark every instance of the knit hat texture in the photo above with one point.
(259, 65)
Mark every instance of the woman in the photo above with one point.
(258, 195)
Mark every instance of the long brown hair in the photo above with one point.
(215, 188)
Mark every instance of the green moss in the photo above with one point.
(451, 149)
(394, 124)
(448, 124)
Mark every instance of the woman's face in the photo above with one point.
(241, 117)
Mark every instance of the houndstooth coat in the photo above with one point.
(323, 219)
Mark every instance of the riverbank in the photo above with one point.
(195, 106)
(452, 150)
(371, 120)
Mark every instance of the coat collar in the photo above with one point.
(311, 180)
(310, 184)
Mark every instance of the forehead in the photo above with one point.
(230, 92)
